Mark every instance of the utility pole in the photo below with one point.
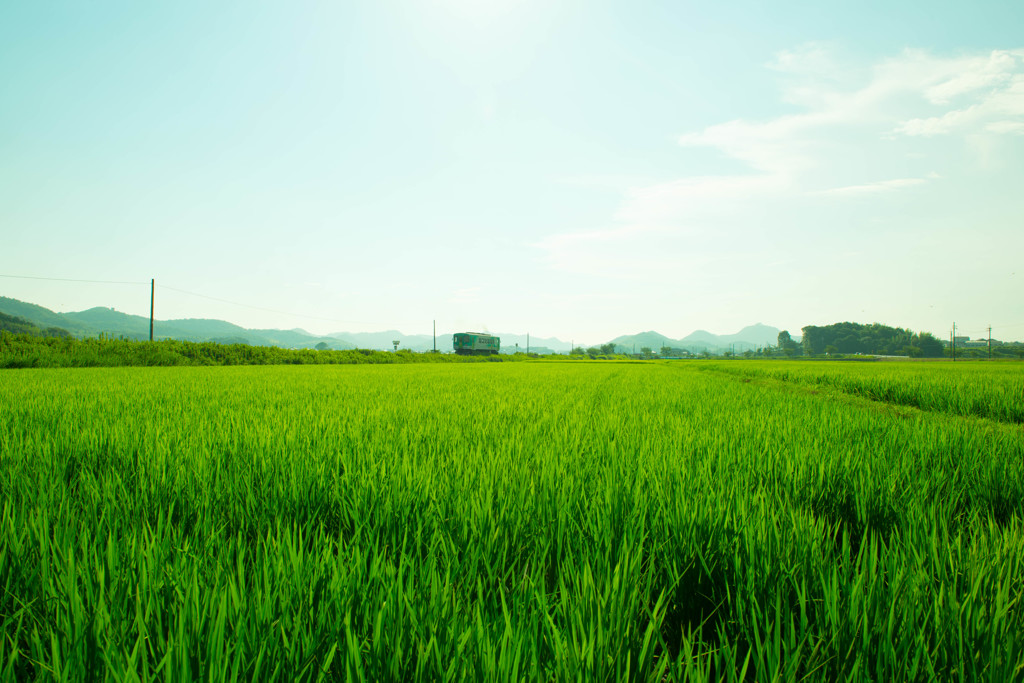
(152, 296)
(990, 342)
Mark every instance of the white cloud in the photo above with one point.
(937, 125)
(467, 295)
(662, 206)
(872, 188)
(995, 84)
(855, 124)
(968, 74)
(813, 58)
(1006, 127)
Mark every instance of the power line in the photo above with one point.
(67, 279)
(280, 312)
(201, 296)
(274, 310)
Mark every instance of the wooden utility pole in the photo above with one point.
(152, 296)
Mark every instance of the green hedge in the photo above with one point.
(27, 351)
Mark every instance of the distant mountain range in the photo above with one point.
(99, 320)
(107, 321)
(749, 338)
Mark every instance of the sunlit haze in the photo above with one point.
(578, 170)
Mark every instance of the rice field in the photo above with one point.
(992, 390)
(543, 521)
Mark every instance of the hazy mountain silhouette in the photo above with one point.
(107, 321)
(41, 317)
(750, 337)
(18, 325)
(653, 340)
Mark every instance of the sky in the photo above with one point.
(569, 169)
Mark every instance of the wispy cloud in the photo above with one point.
(992, 85)
(871, 188)
(851, 117)
(1006, 127)
(466, 295)
(999, 111)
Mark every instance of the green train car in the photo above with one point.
(475, 344)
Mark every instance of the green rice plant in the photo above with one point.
(510, 521)
(990, 390)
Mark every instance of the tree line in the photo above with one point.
(27, 350)
(17, 325)
(854, 338)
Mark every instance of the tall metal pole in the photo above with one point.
(152, 295)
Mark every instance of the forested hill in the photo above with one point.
(18, 325)
(874, 339)
(111, 323)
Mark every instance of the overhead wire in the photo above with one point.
(202, 296)
(274, 310)
(68, 279)
(305, 315)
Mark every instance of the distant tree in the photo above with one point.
(831, 350)
(577, 351)
(787, 345)
(929, 345)
(17, 325)
(608, 349)
(850, 337)
(322, 346)
(646, 351)
(593, 352)
(848, 344)
(665, 352)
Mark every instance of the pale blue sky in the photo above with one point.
(571, 169)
